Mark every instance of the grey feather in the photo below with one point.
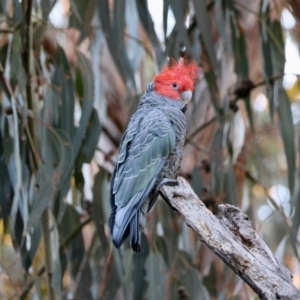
(150, 150)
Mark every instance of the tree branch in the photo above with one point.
(232, 237)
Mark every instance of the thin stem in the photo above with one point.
(47, 225)
(83, 262)
(198, 130)
(272, 200)
(28, 64)
(108, 266)
(42, 269)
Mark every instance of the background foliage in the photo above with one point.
(71, 75)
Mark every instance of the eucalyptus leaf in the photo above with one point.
(113, 31)
(148, 25)
(156, 276)
(46, 6)
(64, 86)
(230, 186)
(189, 279)
(139, 272)
(51, 176)
(84, 66)
(213, 88)
(216, 160)
(82, 14)
(287, 134)
(203, 21)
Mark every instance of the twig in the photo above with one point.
(26, 289)
(108, 265)
(232, 238)
(7, 30)
(47, 225)
(272, 200)
(198, 130)
(140, 42)
(83, 263)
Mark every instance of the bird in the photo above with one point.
(150, 152)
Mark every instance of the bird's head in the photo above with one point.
(177, 80)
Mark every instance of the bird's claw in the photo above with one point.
(168, 182)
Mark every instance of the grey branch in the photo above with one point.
(232, 237)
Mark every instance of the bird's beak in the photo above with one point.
(186, 96)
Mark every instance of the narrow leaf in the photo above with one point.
(148, 25)
(216, 159)
(287, 134)
(203, 21)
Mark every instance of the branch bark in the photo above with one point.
(232, 237)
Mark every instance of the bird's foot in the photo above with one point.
(167, 200)
(168, 182)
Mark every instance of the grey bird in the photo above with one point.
(151, 151)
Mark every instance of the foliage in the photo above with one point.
(64, 85)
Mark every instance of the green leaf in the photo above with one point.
(81, 17)
(187, 281)
(173, 45)
(210, 282)
(196, 183)
(79, 84)
(17, 73)
(295, 201)
(168, 218)
(165, 16)
(8, 142)
(265, 39)
(156, 276)
(220, 15)
(84, 66)
(272, 42)
(64, 87)
(17, 12)
(51, 175)
(211, 80)
(68, 223)
(115, 40)
(239, 48)
(46, 6)
(139, 271)
(287, 134)
(88, 147)
(179, 9)
(90, 141)
(28, 254)
(148, 26)
(277, 47)
(230, 186)
(216, 159)
(203, 21)
(101, 195)
(51, 242)
(249, 111)
(162, 248)
(5, 190)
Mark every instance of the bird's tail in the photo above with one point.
(135, 233)
(133, 228)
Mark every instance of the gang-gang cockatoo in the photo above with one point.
(151, 150)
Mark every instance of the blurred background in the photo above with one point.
(71, 75)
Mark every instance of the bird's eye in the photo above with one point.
(175, 85)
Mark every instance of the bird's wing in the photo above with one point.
(149, 139)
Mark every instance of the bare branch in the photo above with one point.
(232, 237)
